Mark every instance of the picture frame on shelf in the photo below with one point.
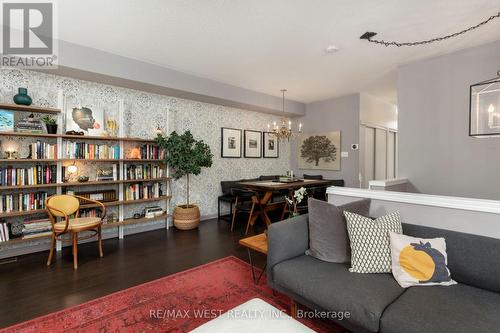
(270, 145)
(253, 144)
(82, 118)
(6, 120)
(230, 142)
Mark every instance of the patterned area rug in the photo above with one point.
(175, 303)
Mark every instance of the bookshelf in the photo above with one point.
(60, 187)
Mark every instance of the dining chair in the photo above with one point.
(245, 203)
(63, 211)
(316, 192)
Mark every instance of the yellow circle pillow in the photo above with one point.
(419, 261)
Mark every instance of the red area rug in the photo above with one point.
(217, 286)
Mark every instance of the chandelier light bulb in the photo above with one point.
(491, 108)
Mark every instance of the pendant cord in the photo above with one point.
(369, 35)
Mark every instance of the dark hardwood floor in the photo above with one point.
(29, 289)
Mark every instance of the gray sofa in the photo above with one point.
(376, 302)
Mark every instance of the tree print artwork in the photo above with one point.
(320, 151)
(316, 147)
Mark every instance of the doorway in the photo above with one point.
(378, 153)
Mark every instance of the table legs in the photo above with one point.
(255, 280)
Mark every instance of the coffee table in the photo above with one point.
(253, 316)
(256, 243)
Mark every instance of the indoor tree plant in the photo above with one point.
(185, 156)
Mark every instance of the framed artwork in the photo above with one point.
(85, 119)
(270, 145)
(230, 142)
(6, 121)
(253, 144)
(319, 151)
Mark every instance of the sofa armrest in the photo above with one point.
(286, 239)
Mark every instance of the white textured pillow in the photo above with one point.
(419, 261)
(370, 245)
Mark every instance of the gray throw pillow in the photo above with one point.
(328, 238)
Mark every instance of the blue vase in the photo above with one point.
(22, 97)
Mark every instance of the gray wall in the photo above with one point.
(339, 114)
(436, 153)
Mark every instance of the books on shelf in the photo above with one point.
(103, 196)
(4, 232)
(151, 152)
(143, 191)
(91, 151)
(34, 175)
(43, 150)
(22, 202)
(142, 171)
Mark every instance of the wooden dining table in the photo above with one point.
(265, 189)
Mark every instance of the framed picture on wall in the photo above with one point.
(270, 145)
(253, 144)
(230, 142)
(319, 151)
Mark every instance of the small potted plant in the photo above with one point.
(297, 198)
(185, 156)
(50, 124)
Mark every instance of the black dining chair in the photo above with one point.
(316, 192)
(245, 202)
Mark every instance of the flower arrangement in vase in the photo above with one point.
(297, 198)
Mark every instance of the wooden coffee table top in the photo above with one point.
(257, 243)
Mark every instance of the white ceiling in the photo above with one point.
(266, 45)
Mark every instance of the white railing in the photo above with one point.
(471, 204)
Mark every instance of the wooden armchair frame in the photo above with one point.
(57, 235)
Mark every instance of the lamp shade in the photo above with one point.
(72, 169)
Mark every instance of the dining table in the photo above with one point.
(266, 189)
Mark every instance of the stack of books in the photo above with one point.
(4, 232)
(151, 152)
(143, 191)
(35, 228)
(89, 151)
(43, 150)
(34, 175)
(142, 171)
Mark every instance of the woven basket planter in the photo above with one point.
(186, 218)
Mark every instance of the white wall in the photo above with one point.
(374, 111)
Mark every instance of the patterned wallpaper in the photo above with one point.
(143, 111)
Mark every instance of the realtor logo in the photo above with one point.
(28, 34)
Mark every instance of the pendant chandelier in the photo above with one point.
(284, 131)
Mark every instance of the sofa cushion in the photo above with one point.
(419, 261)
(328, 238)
(333, 288)
(472, 259)
(370, 245)
(453, 309)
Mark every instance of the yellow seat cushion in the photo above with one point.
(78, 224)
